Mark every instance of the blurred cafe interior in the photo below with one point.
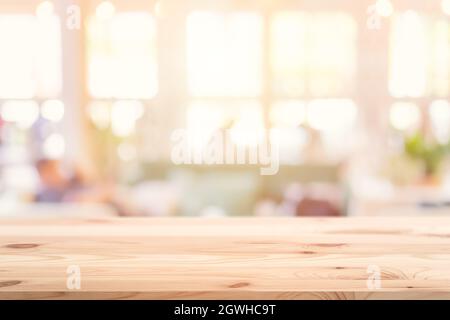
(92, 93)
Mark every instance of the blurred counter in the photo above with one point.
(56, 210)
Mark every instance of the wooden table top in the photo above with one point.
(236, 258)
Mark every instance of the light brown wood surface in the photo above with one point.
(236, 258)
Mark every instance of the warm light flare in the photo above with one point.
(105, 10)
(445, 5)
(384, 8)
(52, 110)
(45, 9)
(404, 116)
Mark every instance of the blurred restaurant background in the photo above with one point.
(92, 91)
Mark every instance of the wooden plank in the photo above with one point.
(239, 258)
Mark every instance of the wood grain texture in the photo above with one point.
(236, 258)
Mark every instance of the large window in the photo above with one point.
(122, 62)
(246, 67)
(228, 74)
(30, 88)
(313, 62)
(30, 56)
(224, 70)
(313, 54)
(419, 74)
(122, 77)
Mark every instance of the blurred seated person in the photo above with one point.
(311, 200)
(59, 186)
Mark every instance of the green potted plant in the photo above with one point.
(430, 153)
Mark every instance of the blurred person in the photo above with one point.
(59, 186)
(312, 200)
